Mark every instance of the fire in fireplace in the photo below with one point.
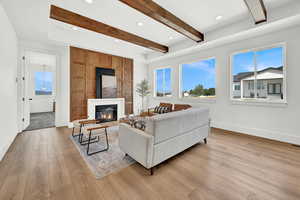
(107, 113)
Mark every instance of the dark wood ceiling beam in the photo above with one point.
(258, 10)
(99, 27)
(156, 12)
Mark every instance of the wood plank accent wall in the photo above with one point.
(83, 64)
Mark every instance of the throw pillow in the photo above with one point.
(156, 109)
(140, 124)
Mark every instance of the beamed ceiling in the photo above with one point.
(185, 20)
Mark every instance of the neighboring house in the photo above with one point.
(269, 84)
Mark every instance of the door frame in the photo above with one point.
(22, 77)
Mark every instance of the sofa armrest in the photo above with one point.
(137, 144)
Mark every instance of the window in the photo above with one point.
(260, 74)
(198, 79)
(163, 82)
(274, 88)
(237, 87)
(260, 85)
(43, 83)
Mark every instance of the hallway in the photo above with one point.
(41, 120)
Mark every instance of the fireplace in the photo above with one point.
(106, 113)
(118, 102)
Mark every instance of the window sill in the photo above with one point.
(198, 100)
(259, 102)
(169, 97)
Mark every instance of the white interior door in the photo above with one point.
(26, 101)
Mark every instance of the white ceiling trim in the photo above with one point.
(254, 32)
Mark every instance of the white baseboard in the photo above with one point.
(5, 148)
(61, 124)
(273, 135)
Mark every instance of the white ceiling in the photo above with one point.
(31, 19)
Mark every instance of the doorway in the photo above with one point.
(39, 91)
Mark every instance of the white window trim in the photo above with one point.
(154, 82)
(196, 99)
(256, 101)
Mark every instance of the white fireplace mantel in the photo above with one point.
(92, 103)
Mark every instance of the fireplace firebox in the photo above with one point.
(107, 113)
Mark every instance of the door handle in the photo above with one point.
(30, 99)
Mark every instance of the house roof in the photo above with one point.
(243, 75)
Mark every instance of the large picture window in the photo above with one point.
(198, 79)
(163, 84)
(259, 74)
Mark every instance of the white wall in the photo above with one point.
(139, 74)
(8, 89)
(279, 122)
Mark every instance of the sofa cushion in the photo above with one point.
(169, 125)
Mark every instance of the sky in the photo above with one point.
(39, 83)
(244, 62)
(202, 72)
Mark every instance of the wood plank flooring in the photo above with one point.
(44, 164)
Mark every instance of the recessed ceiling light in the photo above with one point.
(171, 38)
(75, 28)
(116, 40)
(89, 1)
(140, 24)
(219, 17)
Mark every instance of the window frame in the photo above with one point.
(258, 101)
(154, 82)
(180, 81)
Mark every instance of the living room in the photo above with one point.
(163, 100)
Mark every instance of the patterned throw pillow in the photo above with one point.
(140, 124)
(161, 109)
(156, 109)
(165, 110)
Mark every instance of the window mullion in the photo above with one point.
(164, 82)
(255, 75)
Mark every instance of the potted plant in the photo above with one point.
(143, 90)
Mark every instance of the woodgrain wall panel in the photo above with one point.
(92, 62)
(78, 88)
(117, 65)
(83, 64)
(128, 85)
(105, 60)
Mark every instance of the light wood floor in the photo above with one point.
(45, 164)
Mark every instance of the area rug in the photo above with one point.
(107, 162)
(41, 120)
